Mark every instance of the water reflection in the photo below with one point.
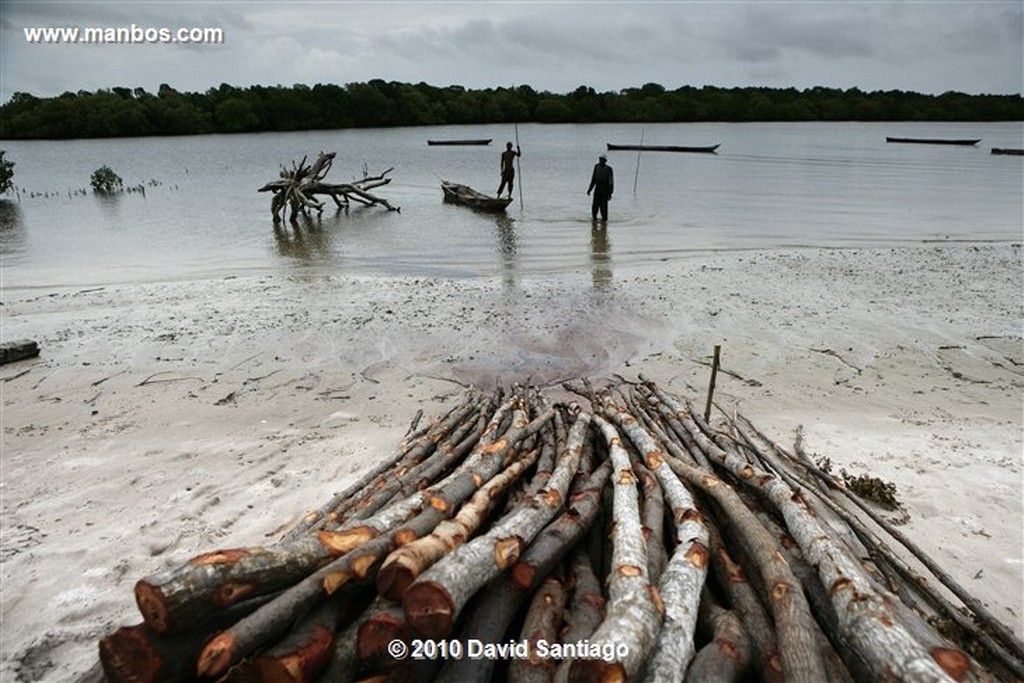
(600, 255)
(111, 202)
(12, 237)
(304, 240)
(507, 248)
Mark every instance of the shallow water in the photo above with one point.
(769, 186)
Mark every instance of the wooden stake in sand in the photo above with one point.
(711, 384)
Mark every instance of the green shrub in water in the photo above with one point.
(105, 181)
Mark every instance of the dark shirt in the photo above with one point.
(603, 179)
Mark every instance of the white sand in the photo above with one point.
(166, 420)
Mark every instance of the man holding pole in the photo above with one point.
(602, 184)
(508, 172)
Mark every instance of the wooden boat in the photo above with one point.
(467, 196)
(1008, 150)
(460, 142)
(710, 149)
(935, 141)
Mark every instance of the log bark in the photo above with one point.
(404, 565)
(543, 622)
(18, 350)
(497, 604)
(794, 625)
(634, 610)
(171, 599)
(301, 656)
(361, 562)
(385, 625)
(681, 586)
(726, 659)
(585, 609)
(865, 617)
(435, 599)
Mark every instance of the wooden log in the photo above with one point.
(865, 616)
(726, 659)
(634, 611)
(653, 521)
(343, 666)
(361, 562)
(585, 609)
(741, 595)
(19, 349)
(138, 654)
(794, 625)
(402, 566)
(496, 605)
(178, 596)
(385, 625)
(409, 453)
(301, 656)
(434, 600)
(1002, 644)
(906, 578)
(543, 622)
(685, 573)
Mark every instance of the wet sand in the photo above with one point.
(169, 419)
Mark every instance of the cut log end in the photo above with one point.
(126, 655)
(429, 609)
(394, 579)
(954, 662)
(150, 600)
(217, 656)
(591, 670)
(375, 634)
(523, 575)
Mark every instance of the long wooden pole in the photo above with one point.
(519, 171)
(640, 149)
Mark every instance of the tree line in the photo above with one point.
(123, 112)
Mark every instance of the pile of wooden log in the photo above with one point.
(583, 533)
(300, 184)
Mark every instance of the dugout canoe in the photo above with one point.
(708, 149)
(1008, 150)
(460, 142)
(467, 196)
(936, 141)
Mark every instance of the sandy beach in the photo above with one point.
(164, 420)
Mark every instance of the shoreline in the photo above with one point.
(163, 420)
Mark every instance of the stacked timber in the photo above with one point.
(585, 533)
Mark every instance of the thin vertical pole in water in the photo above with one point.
(519, 171)
(636, 176)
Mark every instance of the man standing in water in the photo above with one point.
(508, 172)
(602, 183)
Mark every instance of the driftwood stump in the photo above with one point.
(300, 184)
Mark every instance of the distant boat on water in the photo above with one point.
(1008, 150)
(709, 149)
(460, 142)
(935, 141)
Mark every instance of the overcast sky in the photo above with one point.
(922, 46)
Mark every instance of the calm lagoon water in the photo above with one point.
(769, 186)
